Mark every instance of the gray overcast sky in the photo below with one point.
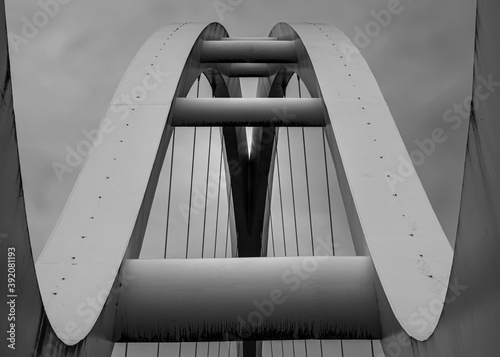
(65, 75)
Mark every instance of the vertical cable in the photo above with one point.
(126, 349)
(271, 345)
(227, 230)
(321, 347)
(190, 194)
(272, 234)
(307, 187)
(293, 192)
(281, 201)
(328, 190)
(169, 193)
(307, 177)
(342, 348)
(218, 201)
(271, 214)
(192, 174)
(206, 192)
(228, 218)
(371, 345)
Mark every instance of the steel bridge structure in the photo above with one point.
(89, 288)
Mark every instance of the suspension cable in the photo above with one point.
(272, 234)
(192, 175)
(328, 190)
(169, 193)
(307, 179)
(206, 192)
(190, 194)
(281, 200)
(293, 191)
(218, 201)
(228, 219)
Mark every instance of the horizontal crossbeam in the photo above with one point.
(247, 299)
(263, 112)
(249, 69)
(248, 51)
(249, 38)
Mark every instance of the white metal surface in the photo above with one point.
(104, 219)
(85, 251)
(396, 227)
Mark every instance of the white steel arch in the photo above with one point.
(105, 218)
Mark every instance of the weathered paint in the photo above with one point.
(247, 299)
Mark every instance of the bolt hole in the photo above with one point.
(411, 234)
(430, 276)
(395, 194)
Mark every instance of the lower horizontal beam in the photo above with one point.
(247, 299)
(273, 112)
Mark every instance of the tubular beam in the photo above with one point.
(248, 112)
(249, 51)
(247, 299)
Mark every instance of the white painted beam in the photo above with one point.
(390, 216)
